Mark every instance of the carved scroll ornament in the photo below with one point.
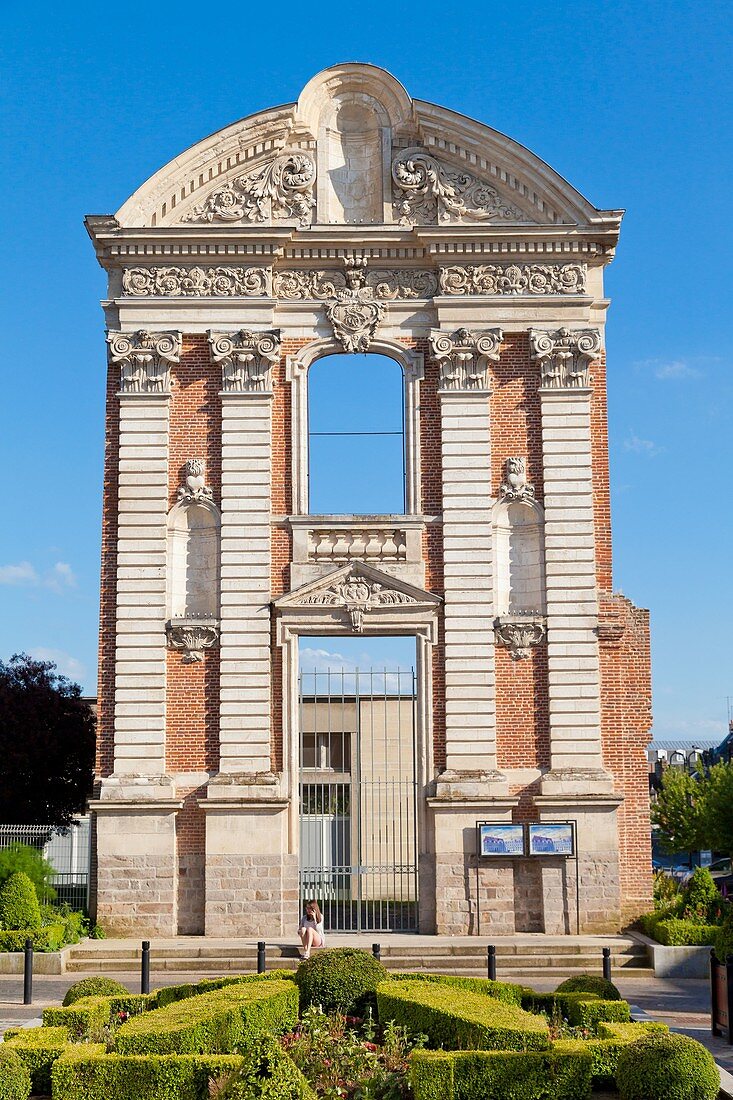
(565, 356)
(515, 486)
(513, 279)
(197, 282)
(144, 359)
(280, 189)
(427, 191)
(357, 596)
(463, 357)
(518, 633)
(194, 489)
(246, 359)
(192, 637)
(387, 285)
(354, 314)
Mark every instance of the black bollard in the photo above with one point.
(607, 963)
(145, 968)
(377, 950)
(261, 956)
(491, 962)
(28, 973)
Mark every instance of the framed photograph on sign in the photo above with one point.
(552, 839)
(500, 839)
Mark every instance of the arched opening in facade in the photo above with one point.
(356, 436)
(520, 557)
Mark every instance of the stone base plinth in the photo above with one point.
(251, 878)
(136, 858)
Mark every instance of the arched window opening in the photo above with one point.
(356, 449)
(193, 562)
(520, 570)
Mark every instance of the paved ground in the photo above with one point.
(683, 1004)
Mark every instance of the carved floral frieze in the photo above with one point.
(194, 489)
(515, 486)
(246, 359)
(197, 282)
(278, 190)
(357, 596)
(426, 192)
(513, 279)
(144, 359)
(518, 633)
(193, 637)
(463, 357)
(386, 284)
(354, 312)
(565, 356)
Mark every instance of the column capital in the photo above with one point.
(463, 357)
(145, 360)
(246, 358)
(564, 356)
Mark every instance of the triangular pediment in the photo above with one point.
(360, 592)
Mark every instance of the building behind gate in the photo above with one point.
(361, 220)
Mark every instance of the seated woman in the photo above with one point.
(310, 929)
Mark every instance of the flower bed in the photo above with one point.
(242, 1038)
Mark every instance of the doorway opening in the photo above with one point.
(358, 782)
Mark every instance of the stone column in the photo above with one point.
(468, 895)
(577, 786)
(137, 805)
(245, 815)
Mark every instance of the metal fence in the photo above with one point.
(67, 850)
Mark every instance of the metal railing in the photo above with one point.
(68, 850)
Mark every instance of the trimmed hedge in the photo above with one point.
(471, 1021)
(667, 1067)
(676, 932)
(38, 1047)
(590, 983)
(605, 1051)
(87, 1072)
(48, 938)
(528, 1075)
(19, 906)
(171, 993)
(579, 1009)
(97, 986)
(219, 1022)
(340, 979)
(266, 1073)
(15, 1080)
(501, 991)
(629, 1033)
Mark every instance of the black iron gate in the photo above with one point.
(358, 836)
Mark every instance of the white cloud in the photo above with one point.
(677, 369)
(640, 446)
(328, 672)
(672, 725)
(60, 577)
(65, 663)
(22, 573)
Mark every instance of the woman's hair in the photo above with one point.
(313, 904)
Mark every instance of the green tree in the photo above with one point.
(19, 903)
(679, 812)
(47, 741)
(717, 809)
(22, 857)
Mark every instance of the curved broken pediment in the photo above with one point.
(355, 149)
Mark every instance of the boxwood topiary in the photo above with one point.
(590, 983)
(340, 979)
(15, 1079)
(19, 908)
(96, 986)
(667, 1067)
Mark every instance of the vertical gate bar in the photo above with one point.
(357, 708)
(415, 872)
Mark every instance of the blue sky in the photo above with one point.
(627, 100)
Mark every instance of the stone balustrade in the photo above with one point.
(321, 543)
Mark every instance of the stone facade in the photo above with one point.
(358, 219)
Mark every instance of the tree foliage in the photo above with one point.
(19, 908)
(678, 812)
(695, 811)
(47, 739)
(22, 857)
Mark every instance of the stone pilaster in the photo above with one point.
(136, 841)
(470, 708)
